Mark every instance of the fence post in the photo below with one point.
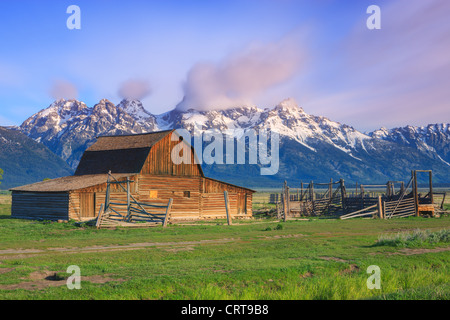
(167, 217)
(227, 207)
(99, 217)
(288, 203)
(431, 186)
(278, 210)
(416, 195)
(330, 189)
(380, 208)
(343, 195)
(301, 185)
(128, 198)
(108, 186)
(362, 195)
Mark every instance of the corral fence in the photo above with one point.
(395, 199)
(132, 213)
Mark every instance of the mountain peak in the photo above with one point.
(105, 101)
(289, 103)
(134, 108)
(64, 108)
(131, 105)
(380, 133)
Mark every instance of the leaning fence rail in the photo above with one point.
(361, 213)
(137, 213)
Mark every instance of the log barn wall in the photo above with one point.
(159, 160)
(185, 192)
(48, 206)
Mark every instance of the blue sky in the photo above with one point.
(333, 65)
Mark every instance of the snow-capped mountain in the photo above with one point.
(432, 140)
(69, 127)
(287, 118)
(311, 147)
(135, 109)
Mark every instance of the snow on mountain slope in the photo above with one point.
(432, 140)
(136, 110)
(287, 118)
(66, 127)
(69, 127)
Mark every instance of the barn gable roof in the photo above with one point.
(119, 154)
(69, 183)
(116, 161)
(133, 141)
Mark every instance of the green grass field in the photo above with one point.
(264, 259)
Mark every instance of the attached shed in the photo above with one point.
(145, 159)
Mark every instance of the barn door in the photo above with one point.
(242, 197)
(87, 205)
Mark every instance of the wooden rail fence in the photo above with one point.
(397, 201)
(132, 213)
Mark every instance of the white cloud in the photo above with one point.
(135, 89)
(242, 77)
(63, 89)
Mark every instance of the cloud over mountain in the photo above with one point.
(242, 76)
(63, 89)
(135, 89)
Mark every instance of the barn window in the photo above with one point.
(153, 194)
(187, 194)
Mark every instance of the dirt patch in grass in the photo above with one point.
(306, 275)
(333, 259)
(17, 256)
(409, 251)
(352, 268)
(6, 270)
(24, 253)
(38, 280)
(222, 271)
(412, 251)
(19, 251)
(283, 236)
(175, 250)
(40, 275)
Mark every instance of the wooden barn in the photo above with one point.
(144, 160)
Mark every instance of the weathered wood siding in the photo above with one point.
(213, 186)
(206, 198)
(185, 206)
(240, 198)
(249, 203)
(74, 206)
(34, 205)
(159, 161)
(194, 197)
(214, 205)
(98, 194)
